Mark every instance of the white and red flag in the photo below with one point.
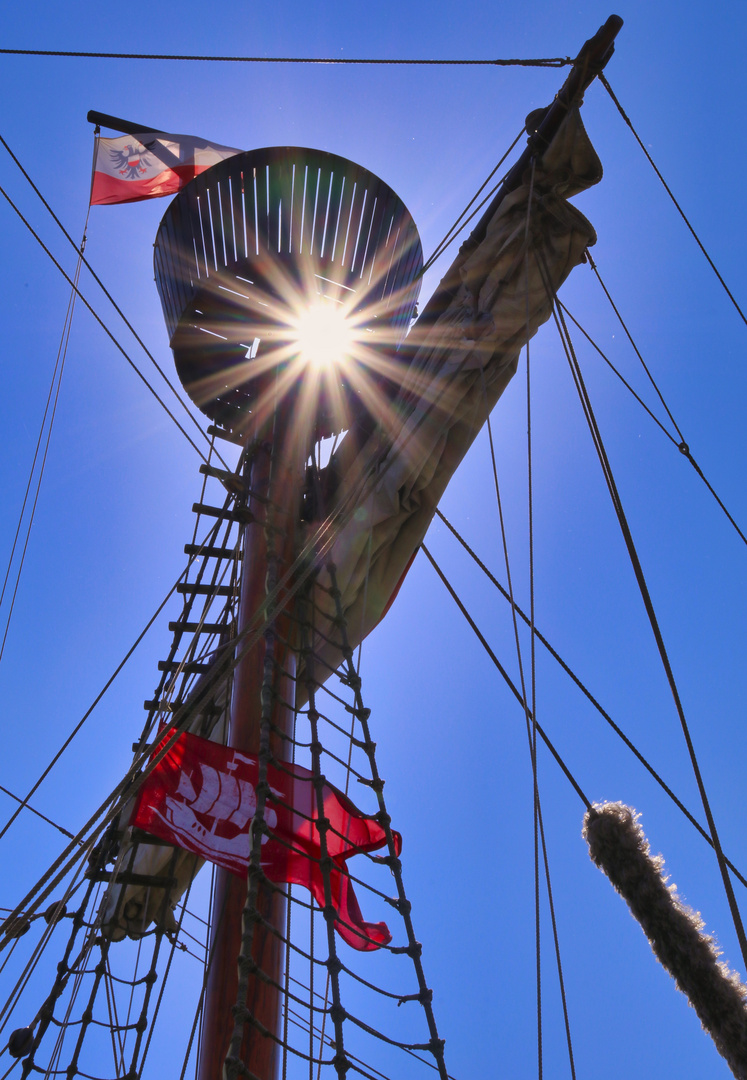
(149, 164)
(202, 797)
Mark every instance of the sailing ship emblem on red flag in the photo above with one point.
(202, 797)
(150, 164)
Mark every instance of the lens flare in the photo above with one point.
(323, 335)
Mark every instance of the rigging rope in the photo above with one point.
(681, 212)
(681, 445)
(587, 693)
(337, 1013)
(99, 282)
(556, 945)
(103, 325)
(619, 847)
(504, 674)
(169, 962)
(532, 641)
(574, 783)
(52, 400)
(452, 233)
(15, 994)
(618, 373)
(552, 62)
(636, 350)
(97, 699)
(650, 611)
(24, 803)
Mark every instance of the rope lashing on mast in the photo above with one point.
(618, 846)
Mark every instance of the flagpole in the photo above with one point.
(275, 480)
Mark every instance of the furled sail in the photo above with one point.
(462, 364)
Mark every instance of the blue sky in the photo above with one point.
(114, 510)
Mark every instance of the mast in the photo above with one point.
(259, 262)
(274, 475)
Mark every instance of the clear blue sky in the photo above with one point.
(114, 509)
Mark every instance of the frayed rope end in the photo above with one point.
(618, 846)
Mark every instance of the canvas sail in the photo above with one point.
(461, 367)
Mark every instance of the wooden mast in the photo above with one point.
(269, 252)
(274, 475)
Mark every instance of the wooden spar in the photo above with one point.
(277, 481)
(591, 60)
(127, 127)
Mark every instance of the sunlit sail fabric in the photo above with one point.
(461, 367)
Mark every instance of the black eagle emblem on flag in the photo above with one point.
(130, 162)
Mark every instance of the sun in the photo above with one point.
(323, 334)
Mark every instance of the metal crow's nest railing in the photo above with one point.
(254, 241)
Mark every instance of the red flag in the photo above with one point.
(202, 797)
(146, 165)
